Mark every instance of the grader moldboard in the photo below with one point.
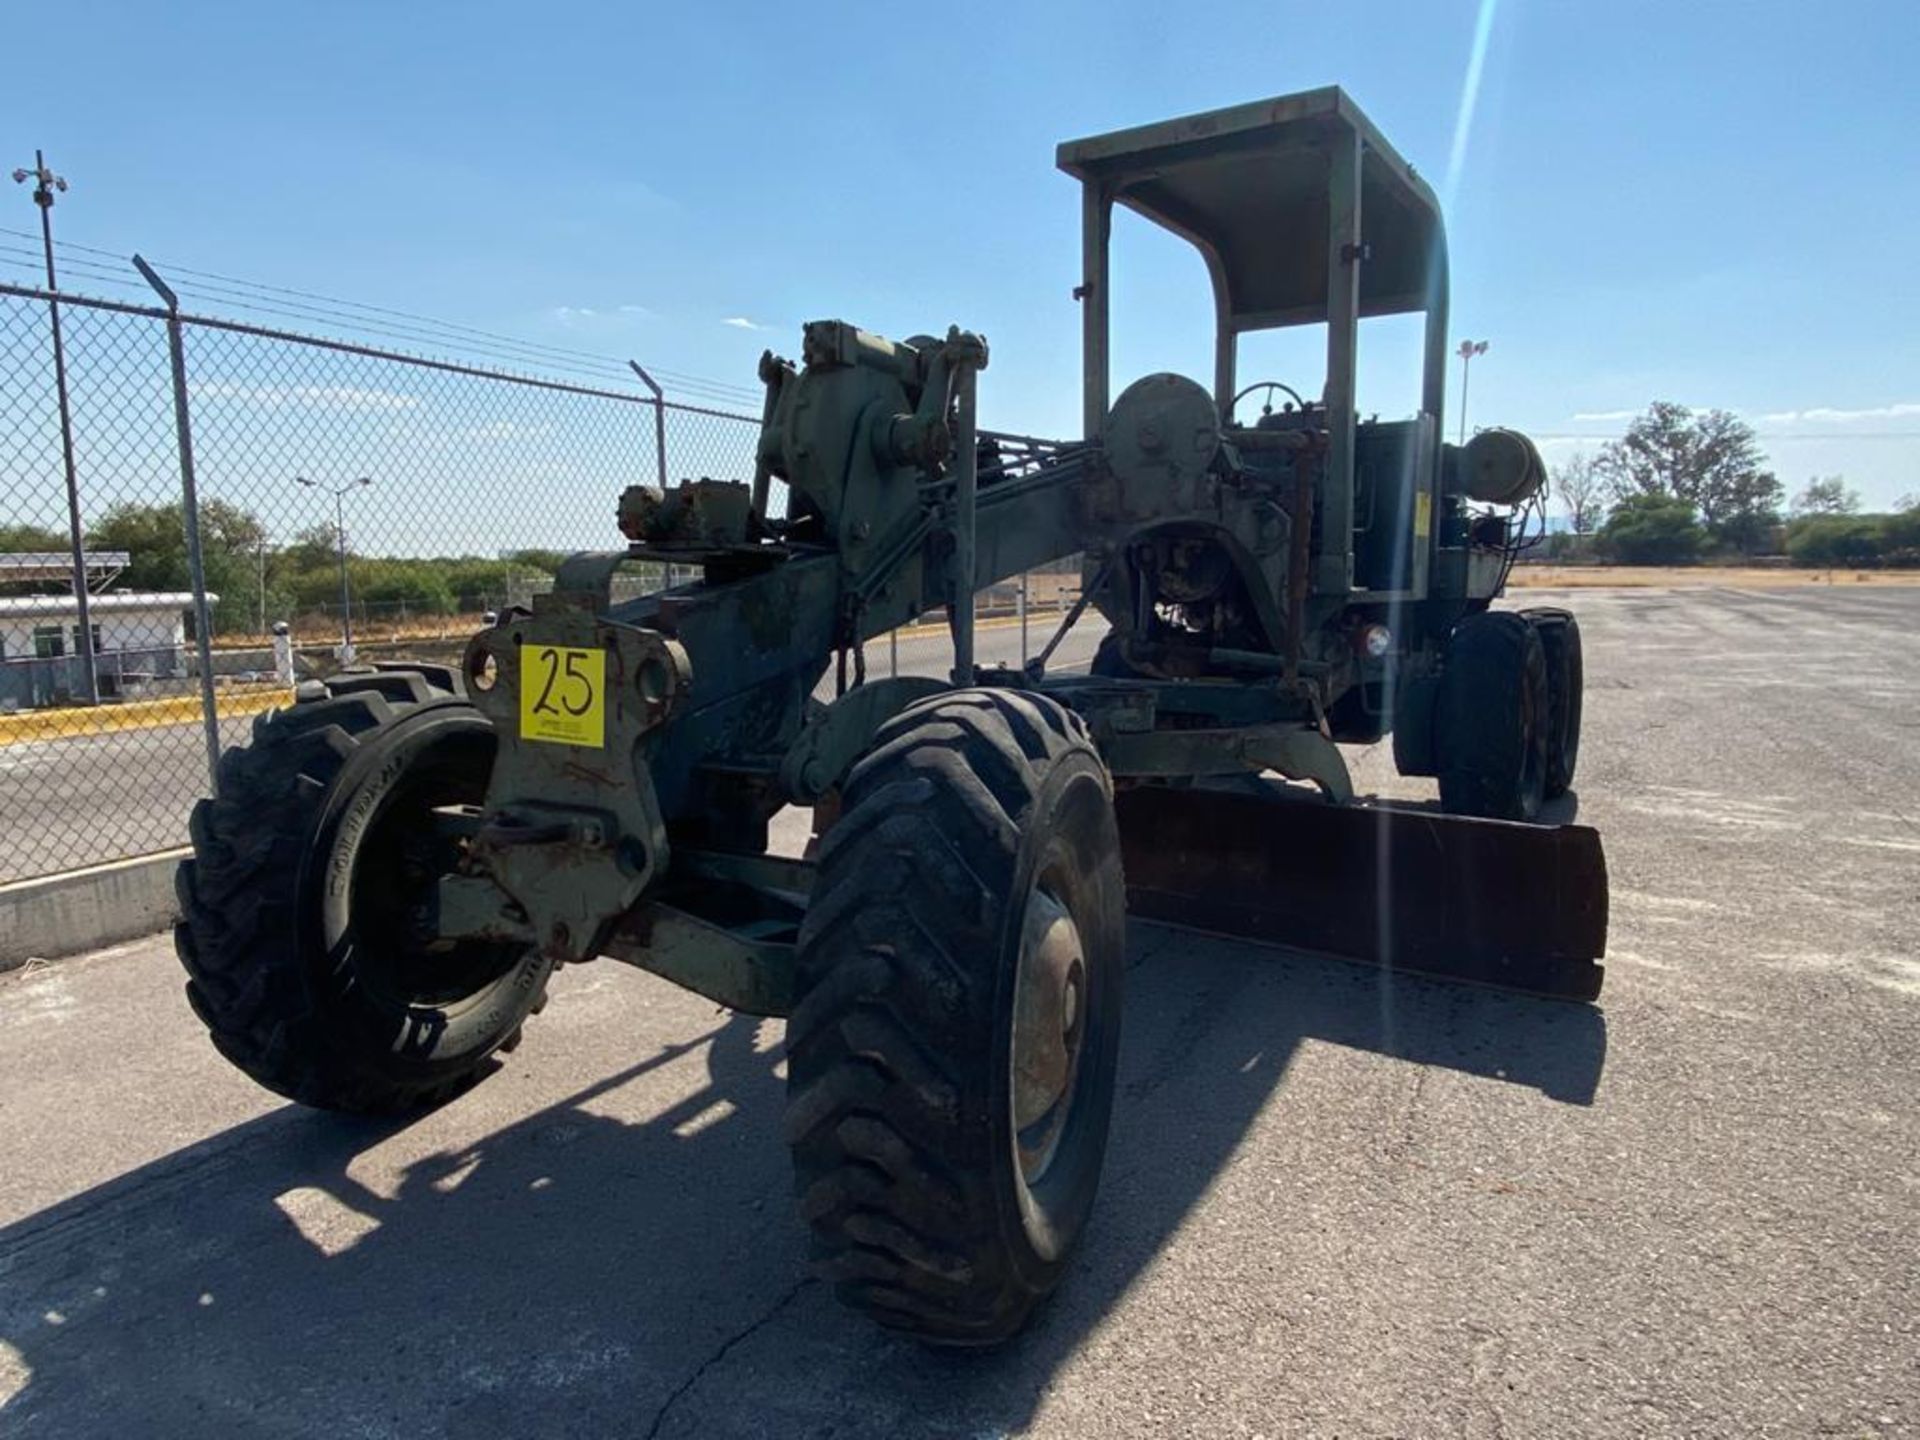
(396, 865)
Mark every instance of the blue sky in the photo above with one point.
(1709, 202)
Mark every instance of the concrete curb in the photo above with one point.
(85, 909)
(69, 723)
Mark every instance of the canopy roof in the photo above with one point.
(1249, 186)
(120, 602)
(40, 565)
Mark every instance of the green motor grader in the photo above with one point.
(393, 869)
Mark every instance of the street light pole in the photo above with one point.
(339, 494)
(46, 183)
(1468, 349)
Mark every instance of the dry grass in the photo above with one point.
(1679, 577)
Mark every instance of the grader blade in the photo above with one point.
(1521, 907)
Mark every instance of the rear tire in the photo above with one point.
(299, 904)
(1413, 725)
(1566, 681)
(974, 874)
(1490, 722)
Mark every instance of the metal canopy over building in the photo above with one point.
(1251, 188)
(43, 566)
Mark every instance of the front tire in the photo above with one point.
(1491, 717)
(1559, 635)
(304, 904)
(951, 1067)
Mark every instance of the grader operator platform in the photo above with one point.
(395, 866)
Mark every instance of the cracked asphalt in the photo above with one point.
(1336, 1203)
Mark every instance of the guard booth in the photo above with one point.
(139, 646)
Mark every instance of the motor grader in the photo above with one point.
(393, 869)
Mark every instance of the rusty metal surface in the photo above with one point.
(573, 830)
(1522, 907)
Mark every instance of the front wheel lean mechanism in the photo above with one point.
(951, 1067)
(307, 902)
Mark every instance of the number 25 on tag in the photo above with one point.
(563, 695)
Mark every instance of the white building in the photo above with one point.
(137, 639)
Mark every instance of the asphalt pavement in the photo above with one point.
(1337, 1203)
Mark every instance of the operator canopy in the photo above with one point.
(1250, 188)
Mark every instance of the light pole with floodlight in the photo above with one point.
(46, 186)
(1468, 349)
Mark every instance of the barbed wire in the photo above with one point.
(288, 302)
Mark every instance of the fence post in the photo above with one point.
(190, 507)
(659, 420)
(1023, 620)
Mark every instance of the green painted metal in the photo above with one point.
(1241, 559)
(572, 829)
(1290, 750)
(841, 732)
(726, 963)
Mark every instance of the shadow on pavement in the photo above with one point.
(580, 1274)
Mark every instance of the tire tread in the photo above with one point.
(238, 934)
(884, 1127)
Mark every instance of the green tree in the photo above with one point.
(1828, 540)
(481, 584)
(1652, 529)
(1900, 537)
(419, 587)
(545, 561)
(155, 539)
(313, 545)
(15, 538)
(1826, 495)
(1711, 460)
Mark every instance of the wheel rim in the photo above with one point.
(404, 851)
(1049, 1027)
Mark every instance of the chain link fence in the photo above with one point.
(354, 504)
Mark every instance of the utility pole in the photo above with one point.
(46, 184)
(1468, 349)
(339, 494)
(261, 553)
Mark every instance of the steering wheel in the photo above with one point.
(1269, 386)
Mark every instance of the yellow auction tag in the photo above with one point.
(563, 695)
(1422, 514)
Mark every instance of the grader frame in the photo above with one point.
(893, 514)
(597, 778)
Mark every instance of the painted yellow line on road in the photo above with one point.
(73, 722)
